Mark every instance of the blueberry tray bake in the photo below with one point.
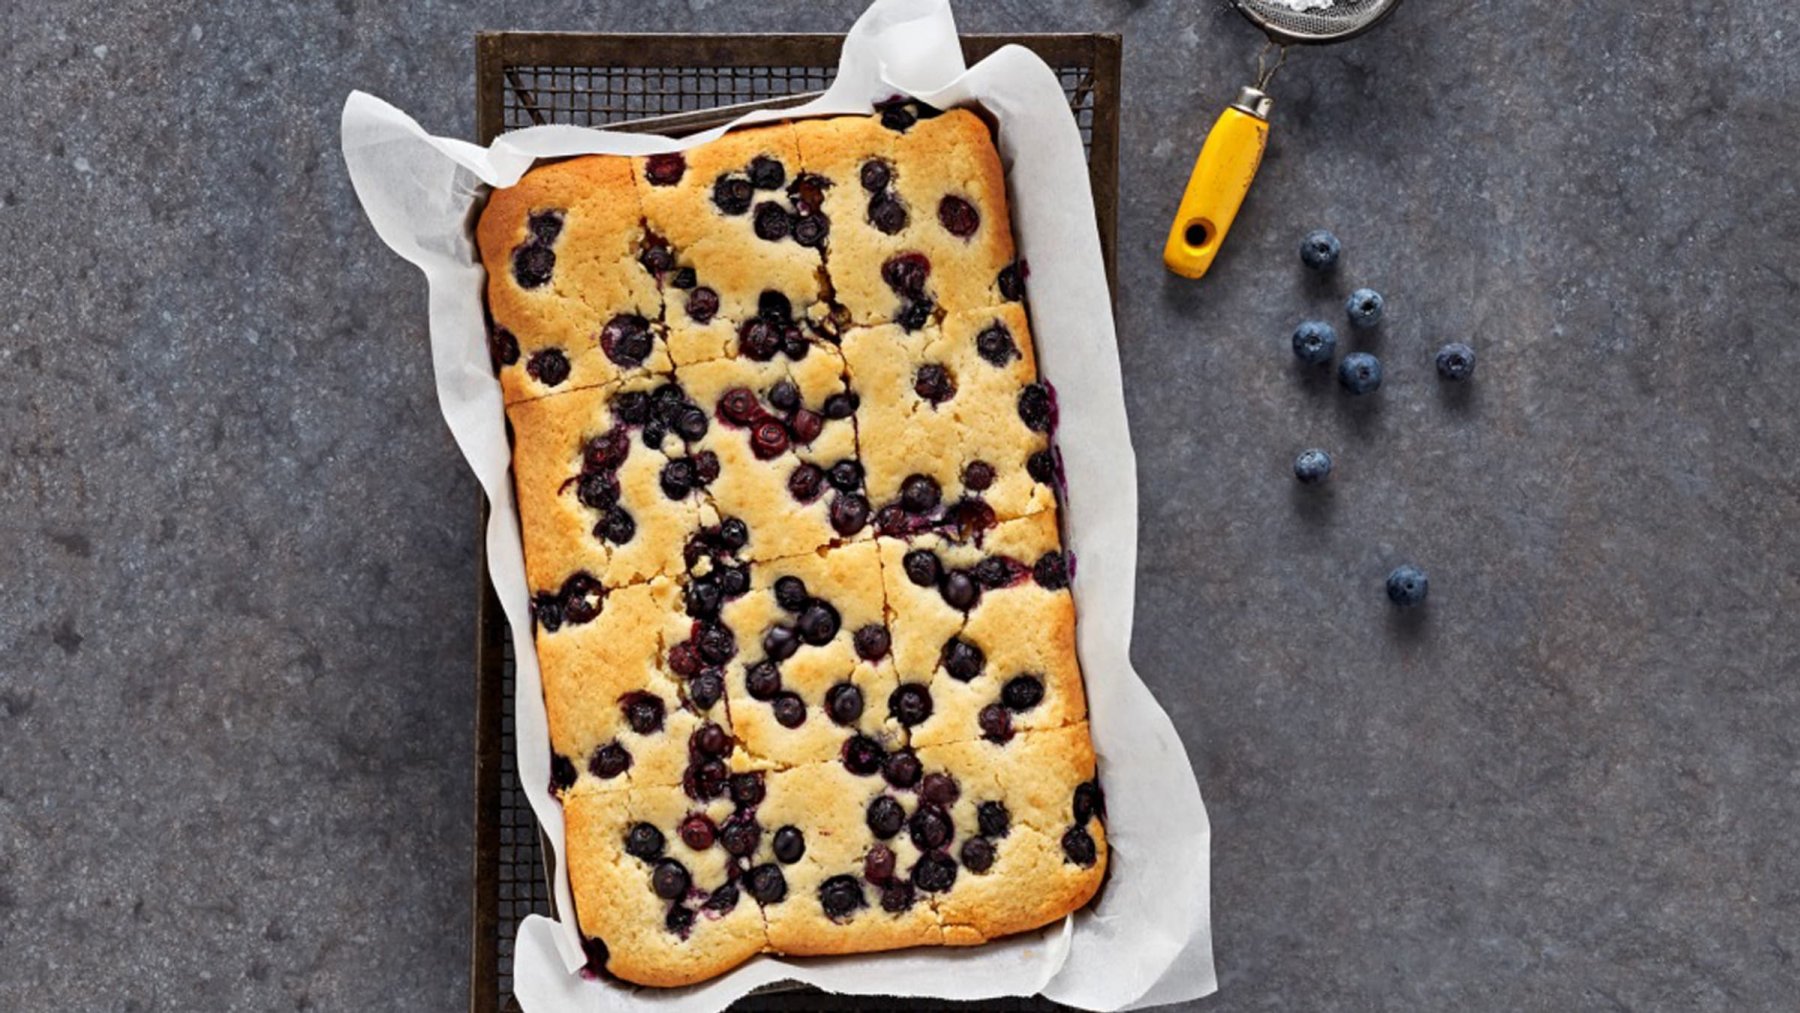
(789, 502)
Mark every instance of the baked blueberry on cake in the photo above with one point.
(789, 499)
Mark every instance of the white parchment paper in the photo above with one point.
(1148, 939)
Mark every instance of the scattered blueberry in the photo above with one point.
(1314, 342)
(1360, 373)
(1455, 361)
(910, 704)
(644, 841)
(978, 854)
(840, 896)
(844, 702)
(1364, 307)
(665, 170)
(767, 173)
(1078, 846)
(1312, 466)
(1319, 250)
(1407, 585)
(790, 845)
(994, 819)
(766, 884)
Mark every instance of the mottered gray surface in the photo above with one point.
(237, 548)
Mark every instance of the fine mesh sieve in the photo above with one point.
(1233, 150)
(1333, 21)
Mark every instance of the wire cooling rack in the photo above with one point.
(679, 84)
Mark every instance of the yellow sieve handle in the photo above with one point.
(1222, 175)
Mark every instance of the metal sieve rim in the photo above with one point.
(1343, 19)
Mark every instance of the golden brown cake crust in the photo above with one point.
(788, 497)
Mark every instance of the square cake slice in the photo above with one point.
(569, 304)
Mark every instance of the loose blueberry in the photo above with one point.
(1314, 342)
(747, 789)
(549, 367)
(1364, 308)
(1078, 846)
(644, 841)
(1360, 373)
(1319, 250)
(978, 854)
(805, 482)
(1035, 408)
(697, 832)
(849, 514)
(960, 591)
(863, 755)
(910, 704)
(1312, 466)
(885, 817)
(733, 194)
(962, 660)
(935, 872)
(609, 761)
(995, 722)
(1455, 361)
(872, 642)
(643, 712)
(790, 710)
(532, 265)
(665, 170)
(902, 770)
(840, 896)
(844, 702)
(1407, 585)
(766, 173)
(562, 773)
(994, 819)
(702, 304)
(766, 884)
(790, 845)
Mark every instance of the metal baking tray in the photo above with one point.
(677, 84)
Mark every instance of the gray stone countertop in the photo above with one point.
(238, 557)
